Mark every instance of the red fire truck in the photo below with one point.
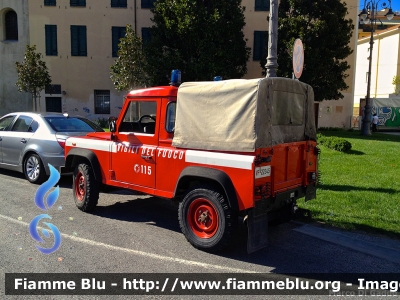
(223, 149)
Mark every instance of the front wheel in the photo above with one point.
(206, 219)
(85, 188)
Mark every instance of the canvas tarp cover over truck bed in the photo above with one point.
(243, 115)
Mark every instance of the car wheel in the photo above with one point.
(85, 188)
(206, 219)
(33, 169)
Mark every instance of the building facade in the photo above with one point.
(338, 113)
(14, 36)
(79, 38)
(385, 65)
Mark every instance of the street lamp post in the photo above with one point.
(272, 59)
(366, 17)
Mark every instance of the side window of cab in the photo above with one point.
(140, 117)
(171, 113)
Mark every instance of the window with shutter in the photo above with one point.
(53, 104)
(78, 40)
(77, 3)
(146, 36)
(148, 3)
(260, 42)
(49, 2)
(117, 33)
(118, 3)
(262, 5)
(11, 25)
(51, 39)
(52, 89)
(101, 101)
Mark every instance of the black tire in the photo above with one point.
(33, 169)
(85, 188)
(206, 219)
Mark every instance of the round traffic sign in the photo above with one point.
(298, 58)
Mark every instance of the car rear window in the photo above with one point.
(72, 124)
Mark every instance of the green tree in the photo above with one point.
(203, 39)
(325, 32)
(129, 69)
(33, 75)
(396, 83)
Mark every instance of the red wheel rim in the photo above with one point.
(203, 218)
(80, 186)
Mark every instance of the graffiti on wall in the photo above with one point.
(388, 116)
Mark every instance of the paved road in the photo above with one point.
(135, 233)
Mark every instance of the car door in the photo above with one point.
(133, 157)
(5, 123)
(15, 140)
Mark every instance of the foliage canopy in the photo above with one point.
(201, 38)
(33, 75)
(129, 69)
(325, 32)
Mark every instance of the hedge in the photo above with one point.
(334, 143)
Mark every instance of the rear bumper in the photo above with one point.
(57, 161)
(281, 199)
(65, 171)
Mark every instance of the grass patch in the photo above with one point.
(360, 189)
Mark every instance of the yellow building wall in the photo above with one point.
(338, 113)
(255, 21)
(385, 65)
(80, 76)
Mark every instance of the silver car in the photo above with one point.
(31, 141)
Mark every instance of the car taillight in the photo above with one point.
(61, 142)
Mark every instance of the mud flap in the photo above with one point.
(311, 192)
(257, 226)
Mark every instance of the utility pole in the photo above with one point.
(369, 16)
(272, 59)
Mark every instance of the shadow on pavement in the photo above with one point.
(348, 188)
(151, 210)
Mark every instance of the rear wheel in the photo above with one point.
(85, 188)
(33, 169)
(206, 219)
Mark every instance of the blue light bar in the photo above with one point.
(175, 78)
(217, 78)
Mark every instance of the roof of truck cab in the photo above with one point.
(159, 91)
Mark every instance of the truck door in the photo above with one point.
(133, 156)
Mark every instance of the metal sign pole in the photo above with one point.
(272, 60)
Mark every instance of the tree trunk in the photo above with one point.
(39, 104)
(34, 101)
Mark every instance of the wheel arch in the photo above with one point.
(201, 174)
(25, 155)
(76, 155)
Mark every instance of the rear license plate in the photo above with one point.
(263, 172)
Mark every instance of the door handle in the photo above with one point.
(146, 156)
(23, 141)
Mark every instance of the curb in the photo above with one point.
(375, 246)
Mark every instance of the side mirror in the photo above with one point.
(112, 124)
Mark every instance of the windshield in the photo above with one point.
(72, 124)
